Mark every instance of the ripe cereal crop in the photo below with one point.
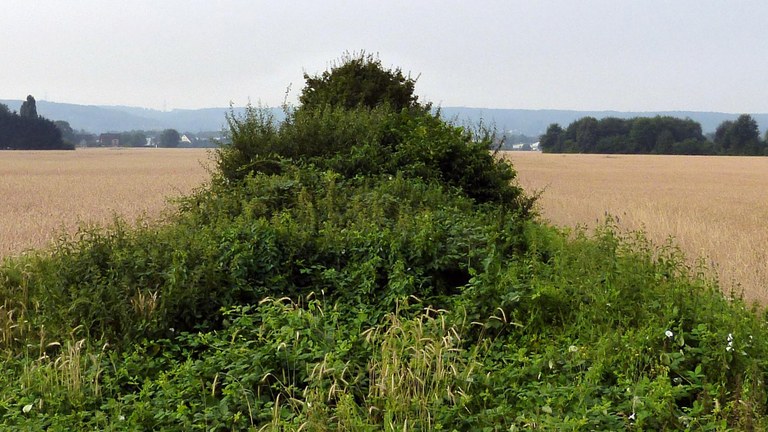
(46, 193)
(714, 207)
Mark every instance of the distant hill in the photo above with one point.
(98, 119)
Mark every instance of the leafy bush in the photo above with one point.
(370, 282)
(557, 330)
(359, 80)
(361, 120)
(372, 142)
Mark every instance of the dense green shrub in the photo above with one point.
(364, 269)
(363, 126)
(359, 80)
(272, 235)
(544, 328)
(372, 142)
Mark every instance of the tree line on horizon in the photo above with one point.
(26, 130)
(655, 135)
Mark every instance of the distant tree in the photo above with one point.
(133, 139)
(170, 138)
(665, 142)
(4, 110)
(740, 137)
(552, 140)
(611, 126)
(723, 136)
(585, 133)
(67, 134)
(359, 80)
(29, 131)
(747, 135)
(660, 134)
(643, 135)
(28, 108)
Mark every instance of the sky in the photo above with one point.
(624, 55)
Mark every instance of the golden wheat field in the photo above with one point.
(45, 193)
(716, 208)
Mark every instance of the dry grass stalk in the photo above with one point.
(144, 303)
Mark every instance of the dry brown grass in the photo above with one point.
(716, 208)
(45, 192)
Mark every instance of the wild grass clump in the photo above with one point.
(300, 293)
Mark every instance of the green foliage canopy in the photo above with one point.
(368, 123)
(135, 139)
(28, 108)
(67, 133)
(29, 131)
(170, 138)
(359, 80)
(643, 135)
(740, 136)
(653, 135)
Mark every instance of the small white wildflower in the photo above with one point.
(669, 333)
(729, 347)
(632, 416)
(121, 417)
(573, 348)
(27, 408)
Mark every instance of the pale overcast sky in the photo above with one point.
(639, 55)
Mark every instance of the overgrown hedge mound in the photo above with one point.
(370, 268)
